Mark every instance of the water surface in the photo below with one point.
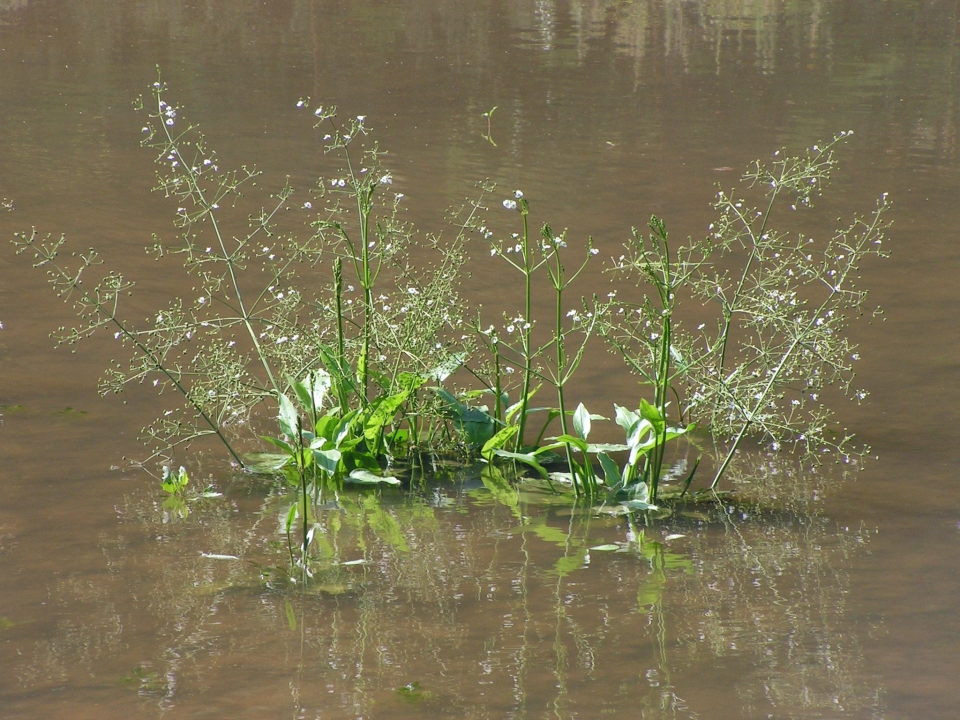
(821, 596)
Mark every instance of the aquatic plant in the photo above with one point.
(763, 365)
(250, 324)
(366, 364)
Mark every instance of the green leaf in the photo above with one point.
(515, 408)
(638, 505)
(605, 548)
(288, 417)
(525, 458)
(279, 443)
(410, 381)
(328, 460)
(651, 412)
(562, 440)
(291, 517)
(365, 477)
(498, 441)
(291, 616)
(597, 448)
(266, 463)
(476, 424)
(312, 389)
(626, 418)
(581, 421)
(382, 413)
(611, 472)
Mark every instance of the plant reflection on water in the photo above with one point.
(475, 597)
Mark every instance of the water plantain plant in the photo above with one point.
(357, 364)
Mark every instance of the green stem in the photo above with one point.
(526, 330)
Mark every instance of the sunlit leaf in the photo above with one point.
(365, 477)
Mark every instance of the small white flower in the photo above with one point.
(169, 121)
(201, 300)
(326, 137)
(319, 111)
(517, 194)
(308, 206)
(493, 251)
(144, 129)
(594, 251)
(413, 291)
(361, 118)
(300, 103)
(510, 204)
(386, 180)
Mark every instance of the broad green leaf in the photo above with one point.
(291, 517)
(410, 381)
(312, 390)
(476, 424)
(515, 408)
(581, 421)
(651, 412)
(365, 477)
(606, 448)
(328, 460)
(279, 443)
(382, 413)
(611, 472)
(562, 440)
(605, 548)
(266, 463)
(287, 417)
(626, 418)
(498, 441)
(638, 505)
(525, 458)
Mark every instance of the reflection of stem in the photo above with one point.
(558, 647)
(522, 670)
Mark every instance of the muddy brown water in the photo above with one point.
(831, 596)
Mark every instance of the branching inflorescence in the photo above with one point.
(367, 349)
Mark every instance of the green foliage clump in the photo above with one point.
(357, 364)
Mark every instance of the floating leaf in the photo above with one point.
(365, 477)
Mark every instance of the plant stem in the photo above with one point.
(526, 329)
